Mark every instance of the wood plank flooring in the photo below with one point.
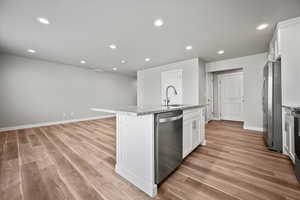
(76, 161)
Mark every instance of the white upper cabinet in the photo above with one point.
(289, 45)
(285, 45)
(274, 46)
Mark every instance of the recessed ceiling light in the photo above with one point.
(189, 47)
(220, 52)
(112, 46)
(158, 22)
(43, 20)
(123, 61)
(147, 59)
(82, 61)
(115, 69)
(31, 50)
(262, 27)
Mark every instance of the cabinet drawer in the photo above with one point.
(192, 114)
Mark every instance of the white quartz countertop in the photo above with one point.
(144, 110)
(292, 107)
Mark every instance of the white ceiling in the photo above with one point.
(83, 29)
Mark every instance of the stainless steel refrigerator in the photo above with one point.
(272, 116)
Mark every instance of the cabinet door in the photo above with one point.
(286, 145)
(291, 139)
(276, 48)
(193, 130)
(187, 138)
(271, 53)
(284, 132)
(202, 129)
(196, 137)
(288, 135)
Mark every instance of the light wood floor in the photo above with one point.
(76, 161)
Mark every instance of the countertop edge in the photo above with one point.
(294, 107)
(115, 111)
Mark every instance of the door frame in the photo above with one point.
(219, 78)
(209, 95)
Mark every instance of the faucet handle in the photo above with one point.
(166, 101)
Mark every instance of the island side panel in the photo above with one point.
(135, 151)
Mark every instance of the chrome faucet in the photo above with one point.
(167, 100)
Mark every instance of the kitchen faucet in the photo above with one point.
(167, 100)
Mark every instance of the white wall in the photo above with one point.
(253, 82)
(35, 91)
(149, 82)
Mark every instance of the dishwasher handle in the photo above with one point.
(170, 119)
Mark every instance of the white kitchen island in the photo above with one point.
(135, 142)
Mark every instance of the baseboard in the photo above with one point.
(142, 184)
(252, 128)
(52, 123)
(292, 157)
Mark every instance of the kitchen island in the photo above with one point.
(135, 140)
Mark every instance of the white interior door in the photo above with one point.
(209, 96)
(172, 77)
(231, 96)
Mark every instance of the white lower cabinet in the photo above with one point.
(193, 129)
(187, 139)
(196, 132)
(288, 138)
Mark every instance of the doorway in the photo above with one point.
(230, 96)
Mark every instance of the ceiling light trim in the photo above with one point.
(158, 22)
(43, 20)
(113, 46)
(262, 26)
(220, 52)
(31, 51)
(188, 48)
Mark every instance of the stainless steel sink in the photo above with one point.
(173, 105)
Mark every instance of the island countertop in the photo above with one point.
(144, 110)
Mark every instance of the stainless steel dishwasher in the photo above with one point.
(168, 143)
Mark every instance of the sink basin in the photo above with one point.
(174, 105)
